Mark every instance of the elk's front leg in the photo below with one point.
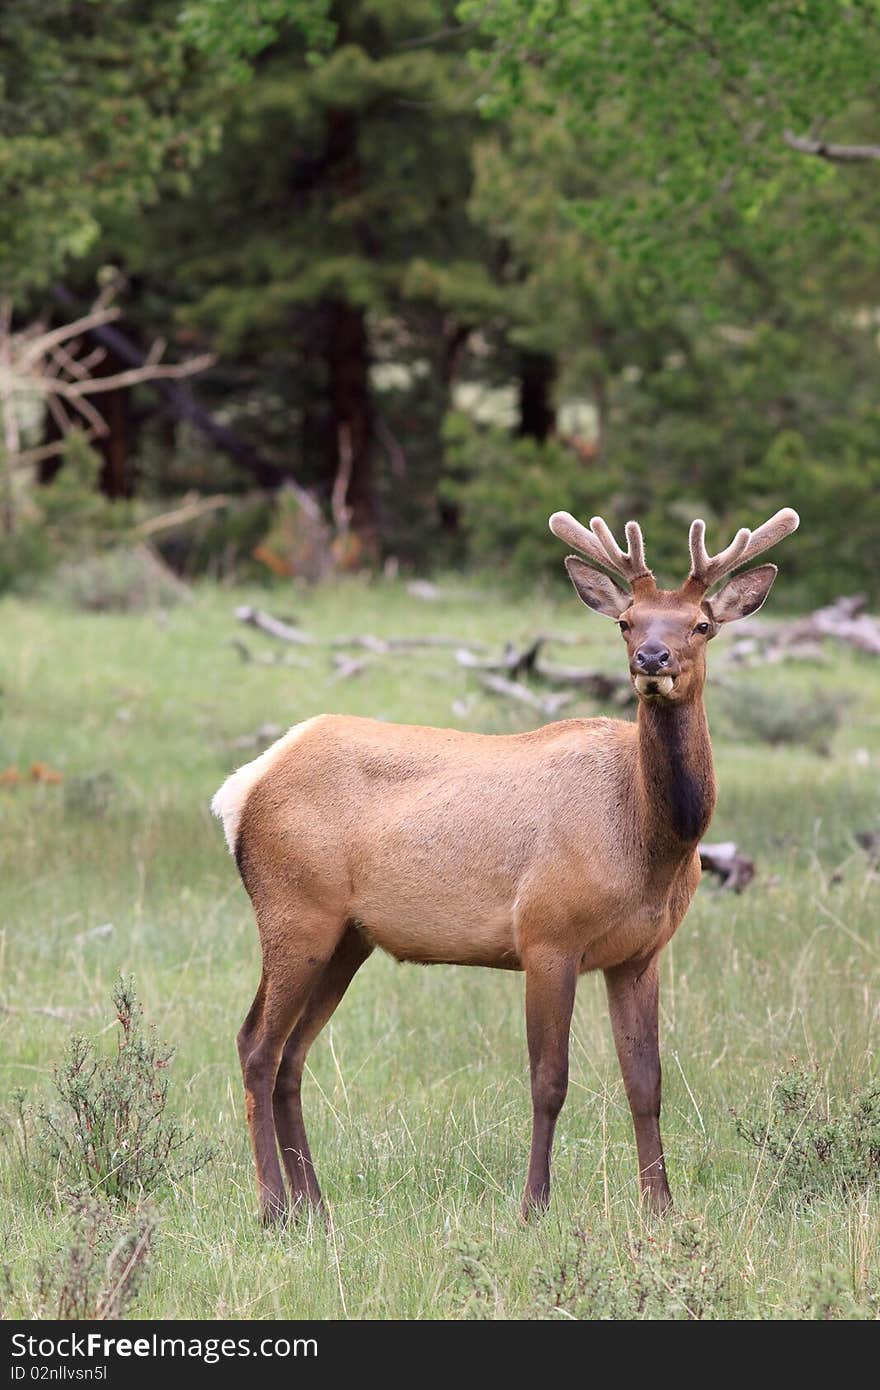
(632, 1000)
(551, 981)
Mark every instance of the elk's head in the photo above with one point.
(666, 630)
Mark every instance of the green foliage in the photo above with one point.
(681, 1274)
(831, 1298)
(126, 579)
(711, 173)
(101, 109)
(68, 520)
(240, 31)
(783, 717)
(109, 1133)
(95, 1275)
(818, 1143)
(506, 490)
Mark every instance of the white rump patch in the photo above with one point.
(229, 801)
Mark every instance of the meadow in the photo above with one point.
(416, 1095)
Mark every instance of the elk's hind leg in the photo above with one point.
(296, 952)
(551, 981)
(326, 994)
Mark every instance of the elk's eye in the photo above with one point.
(624, 627)
(701, 627)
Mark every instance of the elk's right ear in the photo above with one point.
(596, 590)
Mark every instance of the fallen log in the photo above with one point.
(548, 705)
(844, 620)
(273, 627)
(734, 870)
(512, 663)
(383, 645)
(599, 684)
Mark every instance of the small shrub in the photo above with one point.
(831, 1298)
(110, 1133)
(770, 717)
(679, 1276)
(68, 518)
(96, 1275)
(90, 795)
(477, 1287)
(505, 489)
(123, 580)
(816, 1144)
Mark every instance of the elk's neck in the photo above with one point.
(676, 772)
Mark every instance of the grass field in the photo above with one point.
(417, 1094)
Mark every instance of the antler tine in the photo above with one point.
(630, 563)
(771, 533)
(636, 542)
(564, 525)
(599, 545)
(707, 569)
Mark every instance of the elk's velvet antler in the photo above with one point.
(600, 547)
(707, 569)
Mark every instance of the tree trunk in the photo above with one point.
(537, 414)
(116, 479)
(351, 429)
(347, 354)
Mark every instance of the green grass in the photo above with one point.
(417, 1093)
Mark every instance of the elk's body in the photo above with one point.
(569, 849)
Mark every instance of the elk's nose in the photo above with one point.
(651, 658)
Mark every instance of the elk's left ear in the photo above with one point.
(743, 595)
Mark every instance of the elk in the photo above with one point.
(568, 849)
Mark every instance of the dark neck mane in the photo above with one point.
(676, 771)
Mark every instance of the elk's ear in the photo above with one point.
(596, 590)
(743, 595)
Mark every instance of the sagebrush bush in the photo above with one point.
(108, 1131)
(816, 1143)
(66, 520)
(126, 579)
(831, 1297)
(94, 1275)
(681, 1274)
(768, 716)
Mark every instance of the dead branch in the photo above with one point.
(733, 870)
(46, 363)
(180, 516)
(513, 663)
(41, 344)
(348, 666)
(273, 627)
(339, 508)
(547, 705)
(836, 154)
(844, 620)
(383, 645)
(599, 684)
(92, 386)
(28, 457)
(179, 402)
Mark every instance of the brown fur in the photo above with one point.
(568, 849)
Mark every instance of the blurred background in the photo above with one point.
(310, 315)
(294, 288)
